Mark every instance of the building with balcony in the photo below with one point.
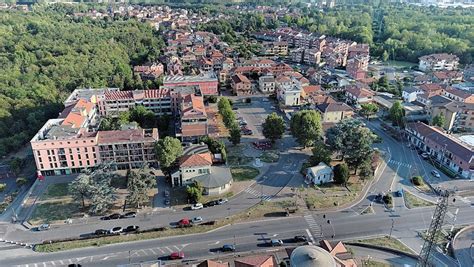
(207, 82)
(437, 62)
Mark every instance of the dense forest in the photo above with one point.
(45, 54)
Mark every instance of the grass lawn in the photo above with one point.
(372, 263)
(266, 209)
(55, 191)
(205, 199)
(413, 201)
(244, 173)
(385, 242)
(236, 157)
(54, 211)
(400, 64)
(330, 195)
(270, 156)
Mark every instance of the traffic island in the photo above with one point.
(383, 242)
(412, 201)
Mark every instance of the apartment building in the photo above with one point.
(458, 116)
(334, 112)
(149, 71)
(266, 84)
(275, 48)
(114, 101)
(207, 82)
(357, 67)
(288, 91)
(241, 85)
(312, 57)
(437, 62)
(193, 122)
(443, 148)
(459, 95)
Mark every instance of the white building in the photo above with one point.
(319, 174)
(266, 84)
(437, 62)
(289, 94)
(410, 93)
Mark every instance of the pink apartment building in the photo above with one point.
(207, 82)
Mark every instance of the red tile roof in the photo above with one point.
(257, 260)
(239, 78)
(204, 159)
(309, 89)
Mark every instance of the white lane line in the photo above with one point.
(153, 251)
(144, 252)
(162, 251)
(176, 248)
(168, 249)
(53, 263)
(310, 236)
(36, 265)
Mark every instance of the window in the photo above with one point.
(41, 166)
(80, 163)
(79, 156)
(71, 157)
(49, 152)
(88, 163)
(51, 165)
(40, 160)
(87, 156)
(55, 165)
(85, 149)
(72, 163)
(70, 151)
(38, 153)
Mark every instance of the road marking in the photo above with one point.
(36, 265)
(53, 263)
(168, 249)
(162, 251)
(217, 242)
(153, 251)
(144, 252)
(176, 248)
(310, 236)
(61, 261)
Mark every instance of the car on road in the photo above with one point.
(177, 255)
(101, 232)
(246, 131)
(116, 230)
(184, 222)
(197, 206)
(111, 217)
(228, 248)
(43, 227)
(130, 228)
(435, 173)
(222, 201)
(399, 193)
(379, 198)
(300, 238)
(197, 220)
(276, 242)
(425, 155)
(130, 214)
(210, 204)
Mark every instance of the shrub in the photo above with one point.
(387, 199)
(21, 181)
(3, 187)
(212, 99)
(417, 180)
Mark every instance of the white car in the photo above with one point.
(43, 227)
(197, 220)
(115, 230)
(435, 173)
(197, 206)
(276, 242)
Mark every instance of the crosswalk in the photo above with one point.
(258, 194)
(149, 252)
(314, 226)
(401, 164)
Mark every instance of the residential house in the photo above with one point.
(319, 174)
(429, 90)
(357, 95)
(193, 122)
(241, 85)
(266, 84)
(149, 71)
(443, 148)
(458, 116)
(312, 57)
(410, 93)
(334, 112)
(437, 62)
(357, 67)
(308, 90)
(255, 261)
(447, 76)
(459, 95)
(358, 50)
(341, 255)
(210, 263)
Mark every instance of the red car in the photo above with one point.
(177, 255)
(184, 222)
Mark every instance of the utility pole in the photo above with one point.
(391, 228)
(435, 228)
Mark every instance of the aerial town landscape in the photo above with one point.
(237, 133)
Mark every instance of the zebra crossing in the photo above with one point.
(401, 164)
(314, 226)
(258, 194)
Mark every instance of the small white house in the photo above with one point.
(319, 174)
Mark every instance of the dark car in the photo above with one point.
(210, 204)
(167, 202)
(399, 193)
(131, 214)
(131, 228)
(300, 238)
(379, 198)
(228, 248)
(111, 217)
(101, 232)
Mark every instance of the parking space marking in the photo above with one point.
(169, 249)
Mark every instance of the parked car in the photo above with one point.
(425, 155)
(101, 232)
(435, 173)
(300, 238)
(399, 193)
(177, 255)
(43, 227)
(197, 206)
(246, 131)
(276, 242)
(222, 201)
(167, 202)
(116, 230)
(210, 204)
(130, 214)
(379, 198)
(111, 217)
(228, 248)
(197, 220)
(184, 222)
(131, 228)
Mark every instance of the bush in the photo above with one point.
(387, 199)
(21, 181)
(417, 180)
(212, 99)
(3, 187)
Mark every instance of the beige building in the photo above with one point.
(266, 84)
(334, 112)
(241, 85)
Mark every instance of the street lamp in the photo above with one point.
(391, 228)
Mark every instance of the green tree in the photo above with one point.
(234, 134)
(368, 109)
(16, 164)
(341, 174)
(194, 192)
(228, 117)
(306, 127)
(274, 127)
(215, 146)
(144, 117)
(167, 151)
(397, 113)
(223, 104)
(439, 120)
(138, 184)
(385, 56)
(80, 188)
(321, 153)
